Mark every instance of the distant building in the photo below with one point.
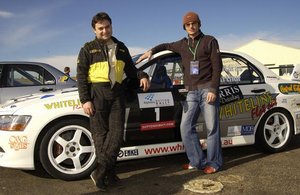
(278, 57)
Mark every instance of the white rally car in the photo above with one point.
(256, 107)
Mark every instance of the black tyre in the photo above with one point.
(67, 150)
(274, 131)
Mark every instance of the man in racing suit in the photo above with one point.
(100, 68)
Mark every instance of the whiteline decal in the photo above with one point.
(63, 104)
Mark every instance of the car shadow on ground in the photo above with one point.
(164, 175)
(243, 154)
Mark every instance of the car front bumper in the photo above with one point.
(16, 150)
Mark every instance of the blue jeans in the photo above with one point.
(194, 104)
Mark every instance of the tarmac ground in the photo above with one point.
(247, 170)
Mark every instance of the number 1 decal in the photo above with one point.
(127, 110)
(157, 114)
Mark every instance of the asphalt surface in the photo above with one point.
(246, 171)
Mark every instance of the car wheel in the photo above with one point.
(275, 131)
(67, 150)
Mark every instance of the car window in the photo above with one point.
(1, 75)
(28, 75)
(1, 67)
(165, 73)
(48, 79)
(238, 71)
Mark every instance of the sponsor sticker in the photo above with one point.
(234, 131)
(127, 153)
(247, 130)
(289, 88)
(153, 100)
(75, 103)
(230, 94)
(18, 142)
(240, 130)
(157, 125)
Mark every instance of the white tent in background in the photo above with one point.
(279, 58)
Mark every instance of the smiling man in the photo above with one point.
(100, 69)
(202, 66)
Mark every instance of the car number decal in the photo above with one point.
(156, 110)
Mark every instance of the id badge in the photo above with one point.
(194, 67)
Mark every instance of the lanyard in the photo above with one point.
(195, 50)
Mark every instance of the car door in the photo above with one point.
(154, 116)
(20, 79)
(244, 97)
(1, 80)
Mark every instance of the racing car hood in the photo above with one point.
(11, 106)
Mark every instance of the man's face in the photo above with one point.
(103, 30)
(192, 28)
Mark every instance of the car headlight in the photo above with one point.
(13, 123)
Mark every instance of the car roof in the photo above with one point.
(41, 64)
(258, 64)
(26, 63)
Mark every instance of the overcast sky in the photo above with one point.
(54, 31)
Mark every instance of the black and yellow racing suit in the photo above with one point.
(95, 85)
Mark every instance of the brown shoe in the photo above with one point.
(188, 167)
(209, 170)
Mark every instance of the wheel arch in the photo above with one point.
(260, 141)
(44, 131)
(280, 109)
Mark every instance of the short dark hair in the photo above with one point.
(100, 17)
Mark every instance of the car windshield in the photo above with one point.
(136, 57)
